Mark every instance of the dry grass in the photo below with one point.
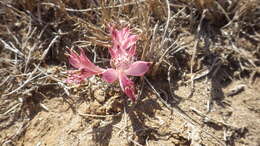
(186, 41)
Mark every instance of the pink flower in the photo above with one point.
(122, 61)
(85, 67)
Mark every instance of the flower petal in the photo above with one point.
(127, 86)
(130, 41)
(82, 62)
(112, 52)
(76, 76)
(85, 67)
(74, 59)
(132, 51)
(88, 64)
(122, 39)
(110, 75)
(123, 34)
(138, 68)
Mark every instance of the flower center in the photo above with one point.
(121, 62)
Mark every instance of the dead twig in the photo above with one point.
(195, 51)
(48, 48)
(98, 116)
(11, 47)
(61, 83)
(236, 90)
(30, 78)
(174, 109)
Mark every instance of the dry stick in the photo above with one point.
(34, 46)
(28, 58)
(167, 22)
(255, 37)
(181, 113)
(44, 107)
(98, 116)
(29, 35)
(179, 49)
(153, 38)
(240, 51)
(34, 71)
(223, 10)
(65, 88)
(195, 52)
(169, 80)
(17, 12)
(47, 50)
(30, 78)
(5, 80)
(11, 48)
(243, 52)
(237, 89)
(208, 119)
(12, 108)
(156, 66)
(152, 42)
(98, 8)
(175, 109)
(177, 14)
(10, 33)
(208, 71)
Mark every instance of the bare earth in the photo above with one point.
(234, 118)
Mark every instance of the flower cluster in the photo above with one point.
(122, 61)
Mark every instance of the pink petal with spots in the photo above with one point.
(110, 75)
(127, 86)
(138, 68)
(122, 39)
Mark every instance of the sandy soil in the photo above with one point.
(233, 119)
